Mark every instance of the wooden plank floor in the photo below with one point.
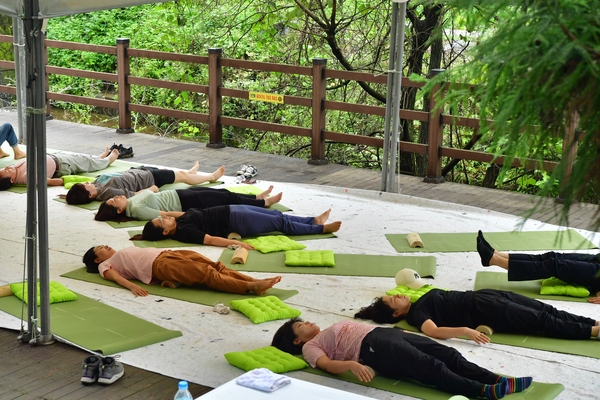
(52, 372)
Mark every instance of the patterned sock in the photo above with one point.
(484, 249)
(495, 392)
(516, 385)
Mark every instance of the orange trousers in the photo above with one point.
(190, 268)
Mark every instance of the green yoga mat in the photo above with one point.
(204, 296)
(586, 348)
(537, 390)
(499, 280)
(345, 264)
(96, 326)
(505, 241)
(250, 189)
(168, 243)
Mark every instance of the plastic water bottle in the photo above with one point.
(183, 393)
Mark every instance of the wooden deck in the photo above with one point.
(52, 372)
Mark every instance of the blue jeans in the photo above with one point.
(7, 133)
(253, 221)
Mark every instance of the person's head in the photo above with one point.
(82, 193)
(159, 228)
(112, 209)
(8, 176)
(291, 336)
(386, 309)
(95, 255)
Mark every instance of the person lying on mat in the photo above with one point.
(58, 165)
(147, 204)
(445, 314)
(573, 268)
(213, 225)
(130, 182)
(392, 353)
(170, 268)
(7, 134)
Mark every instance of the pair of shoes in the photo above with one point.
(124, 152)
(102, 370)
(247, 171)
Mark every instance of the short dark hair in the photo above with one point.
(285, 336)
(107, 213)
(78, 194)
(152, 232)
(5, 183)
(89, 259)
(379, 312)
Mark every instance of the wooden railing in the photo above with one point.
(318, 104)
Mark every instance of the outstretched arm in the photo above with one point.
(337, 367)
(113, 275)
(222, 242)
(431, 329)
(55, 182)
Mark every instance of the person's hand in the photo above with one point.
(139, 291)
(477, 337)
(153, 188)
(246, 246)
(361, 371)
(595, 300)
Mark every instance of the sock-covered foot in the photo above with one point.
(516, 385)
(484, 249)
(495, 392)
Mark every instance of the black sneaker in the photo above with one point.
(125, 152)
(90, 370)
(110, 371)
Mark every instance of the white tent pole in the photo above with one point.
(20, 67)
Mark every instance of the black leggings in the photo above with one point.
(201, 197)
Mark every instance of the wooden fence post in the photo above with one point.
(215, 101)
(123, 70)
(436, 135)
(317, 156)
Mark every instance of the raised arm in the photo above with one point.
(175, 214)
(113, 275)
(431, 329)
(337, 367)
(222, 242)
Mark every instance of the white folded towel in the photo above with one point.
(263, 379)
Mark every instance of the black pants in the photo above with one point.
(396, 354)
(201, 197)
(513, 313)
(577, 269)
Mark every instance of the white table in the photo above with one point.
(296, 390)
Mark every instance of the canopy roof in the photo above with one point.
(59, 8)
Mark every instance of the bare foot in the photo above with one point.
(332, 227)
(3, 154)
(265, 194)
(218, 174)
(321, 219)
(113, 156)
(194, 169)
(269, 201)
(259, 287)
(104, 153)
(19, 153)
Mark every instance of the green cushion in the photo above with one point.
(263, 309)
(267, 357)
(58, 293)
(414, 294)
(269, 244)
(70, 180)
(555, 286)
(309, 258)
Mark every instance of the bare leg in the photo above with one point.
(321, 219)
(269, 201)
(260, 286)
(218, 173)
(332, 227)
(192, 178)
(499, 260)
(194, 169)
(265, 194)
(18, 152)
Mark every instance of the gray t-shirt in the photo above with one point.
(127, 184)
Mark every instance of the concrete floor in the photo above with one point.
(197, 356)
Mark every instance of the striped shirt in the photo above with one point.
(341, 342)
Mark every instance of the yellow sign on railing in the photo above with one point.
(268, 97)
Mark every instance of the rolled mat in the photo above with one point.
(96, 326)
(499, 280)
(586, 348)
(505, 241)
(537, 390)
(205, 296)
(345, 264)
(168, 243)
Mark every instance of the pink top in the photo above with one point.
(341, 342)
(132, 263)
(21, 167)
